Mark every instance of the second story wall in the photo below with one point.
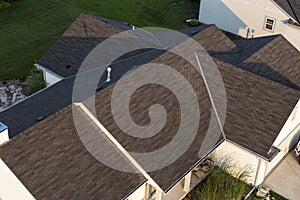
(249, 19)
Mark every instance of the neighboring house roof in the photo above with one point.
(52, 163)
(292, 7)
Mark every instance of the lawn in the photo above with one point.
(29, 27)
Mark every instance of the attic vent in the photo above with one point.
(40, 118)
(68, 66)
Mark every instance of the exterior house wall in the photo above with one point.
(49, 77)
(138, 194)
(292, 34)
(4, 137)
(247, 18)
(241, 159)
(10, 186)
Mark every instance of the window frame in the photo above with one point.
(269, 24)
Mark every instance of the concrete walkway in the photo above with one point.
(285, 179)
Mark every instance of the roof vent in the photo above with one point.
(68, 66)
(108, 74)
(4, 137)
(40, 118)
(194, 32)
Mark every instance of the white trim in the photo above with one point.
(248, 150)
(210, 96)
(117, 144)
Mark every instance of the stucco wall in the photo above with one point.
(138, 194)
(241, 159)
(4, 137)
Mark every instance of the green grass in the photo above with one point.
(29, 27)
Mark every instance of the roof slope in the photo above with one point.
(152, 94)
(278, 60)
(214, 40)
(85, 33)
(272, 57)
(52, 163)
(25, 114)
(257, 108)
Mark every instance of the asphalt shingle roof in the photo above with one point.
(257, 109)
(52, 163)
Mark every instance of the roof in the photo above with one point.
(272, 57)
(30, 111)
(252, 120)
(292, 7)
(50, 160)
(84, 34)
(278, 60)
(214, 40)
(257, 108)
(151, 94)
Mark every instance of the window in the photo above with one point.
(269, 24)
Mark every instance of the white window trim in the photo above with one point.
(265, 23)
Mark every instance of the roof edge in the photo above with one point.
(248, 150)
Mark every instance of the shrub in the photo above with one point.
(35, 81)
(194, 22)
(219, 184)
(4, 5)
